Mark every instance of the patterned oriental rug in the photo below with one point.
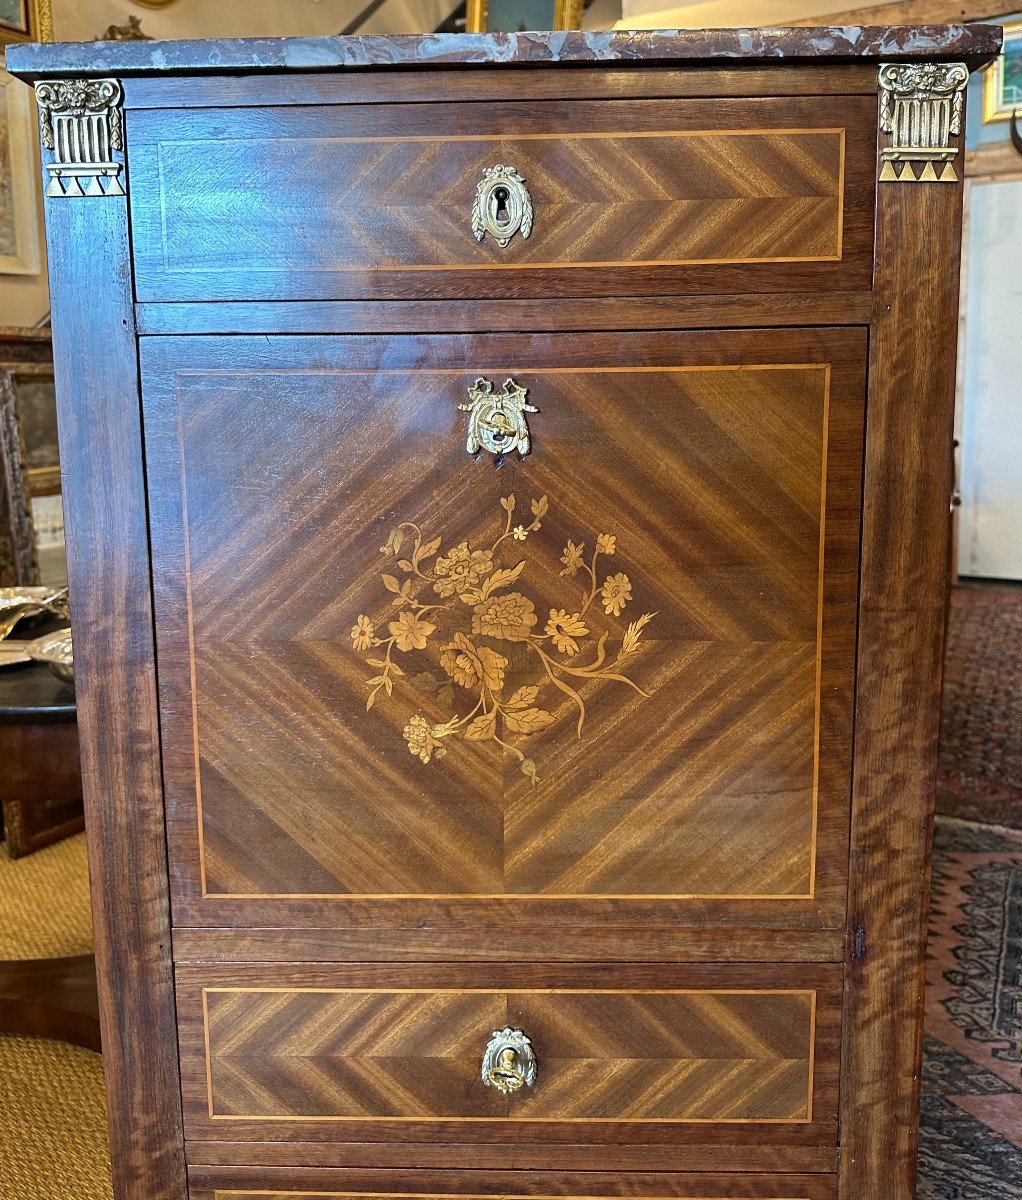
(980, 772)
(971, 1138)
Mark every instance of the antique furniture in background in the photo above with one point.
(41, 781)
(41, 802)
(509, 619)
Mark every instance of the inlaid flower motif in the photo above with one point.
(462, 568)
(362, 633)
(410, 631)
(572, 558)
(422, 742)
(481, 617)
(510, 617)
(471, 666)
(615, 593)
(564, 628)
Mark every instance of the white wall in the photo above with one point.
(709, 14)
(990, 528)
(82, 20)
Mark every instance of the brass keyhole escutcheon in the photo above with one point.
(509, 1063)
(503, 206)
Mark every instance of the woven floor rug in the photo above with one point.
(52, 1111)
(971, 1138)
(980, 772)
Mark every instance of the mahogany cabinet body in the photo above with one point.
(391, 740)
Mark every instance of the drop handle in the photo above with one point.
(509, 1062)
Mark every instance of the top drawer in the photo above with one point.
(627, 197)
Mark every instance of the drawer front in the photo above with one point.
(291, 1183)
(352, 1054)
(507, 711)
(609, 198)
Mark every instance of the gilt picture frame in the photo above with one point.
(1002, 80)
(567, 14)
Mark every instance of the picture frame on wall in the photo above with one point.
(1002, 81)
(20, 21)
(19, 191)
(482, 16)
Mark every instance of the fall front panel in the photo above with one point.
(616, 668)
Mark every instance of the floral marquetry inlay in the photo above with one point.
(466, 611)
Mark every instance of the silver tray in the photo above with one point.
(56, 651)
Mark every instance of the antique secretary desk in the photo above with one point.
(507, 487)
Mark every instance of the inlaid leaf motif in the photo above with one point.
(478, 623)
(482, 727)
(501, 579)
(529, 720)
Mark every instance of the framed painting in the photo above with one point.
(25, 21)
(482, 16)
(1002, 83)
(19, 216)
(20, 21)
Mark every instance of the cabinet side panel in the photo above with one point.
(96, 372)
(905, 538)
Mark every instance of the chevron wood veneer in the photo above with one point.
(365, 195)
(605, 1056)
(357, 1053)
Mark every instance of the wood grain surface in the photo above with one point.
(96, 371)
(376, 200)
(298, 1184)
(391, 1054)
(905, 578)
(760, 617)
(267, 1184)
(510, 316)
(534, 83)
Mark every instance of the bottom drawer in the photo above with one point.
(731, 1057)
(269, 1183)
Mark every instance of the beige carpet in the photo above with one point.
(52, 1112)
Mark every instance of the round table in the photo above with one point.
(41, 801)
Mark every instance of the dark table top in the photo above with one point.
(31, 691)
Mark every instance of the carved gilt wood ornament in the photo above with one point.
(80, 124)
(921, 106)
(465, 625)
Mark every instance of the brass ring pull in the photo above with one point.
(509, 1062)
(497, 419)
